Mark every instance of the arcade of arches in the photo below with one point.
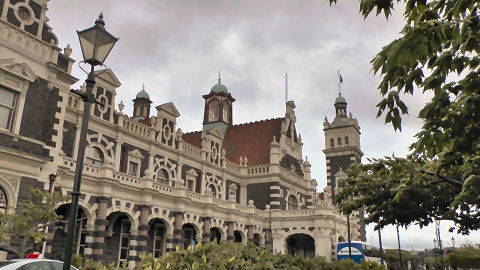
(118, 237)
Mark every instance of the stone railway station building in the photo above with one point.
(148, 187)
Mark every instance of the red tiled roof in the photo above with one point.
(146, 122)
(193, 138)
(252, 140)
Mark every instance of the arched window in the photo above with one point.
(213, 111)
(162, 176)
(226, 112)
(346, 141)
(212, 190)
(292, 202)
(332, 142)
(339, 141)
(3, 201)
(93, 156)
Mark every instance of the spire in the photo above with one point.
(219, 76)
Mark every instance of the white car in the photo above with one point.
(33, 264)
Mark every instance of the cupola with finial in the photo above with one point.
(218, 108)
(141, 105)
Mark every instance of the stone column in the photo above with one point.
(143, 230)
(207, 224)
(243, 194)
(230, 231)
(250, 232)
(133, 249)
(202, 183)
(177, 230)
(169, 243)
(99, 233)
(118, 154)
(268, 239)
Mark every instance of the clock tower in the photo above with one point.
(218, 109)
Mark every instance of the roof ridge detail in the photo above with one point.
(258, 121)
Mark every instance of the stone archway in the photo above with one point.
(60, 235)
(189, 235)
(215, 235)
(117, 241)
(300, 244)
(237, 236)
(257, 239)
(157, 235)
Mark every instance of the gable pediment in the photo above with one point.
(168, 108)
(215, 132)
(135, 153)
(108, 76)
(21, 70)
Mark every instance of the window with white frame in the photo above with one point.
(82, 236)
(93, 156)
(124, 244)
(134, 161)
(191, 177)
(162, 176)
(8, 100)
(158, 240)
(292, 202)
(132, 168)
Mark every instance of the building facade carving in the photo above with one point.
(148, 187)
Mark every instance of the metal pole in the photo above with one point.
(90, 82)
(380, 245)
(399, 249)
(440, 246)
(349, 240)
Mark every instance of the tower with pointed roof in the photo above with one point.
(218, 109)
(141, 105)
(342, 145)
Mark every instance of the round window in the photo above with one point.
(23, 14)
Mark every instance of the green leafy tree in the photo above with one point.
(436, 53)
(24, 231)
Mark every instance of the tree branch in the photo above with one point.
(443, 178)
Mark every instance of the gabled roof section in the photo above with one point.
(22, 70)
(169, 108)
(108, 76)
(193, 138)
(252, 140)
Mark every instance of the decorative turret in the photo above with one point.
(218, 109)
(141, 105)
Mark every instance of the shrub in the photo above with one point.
(228, 255)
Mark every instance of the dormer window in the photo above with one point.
(226, 112)
(213, 111)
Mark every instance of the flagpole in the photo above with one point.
(286, 87)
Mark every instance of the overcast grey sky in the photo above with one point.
(176, 48)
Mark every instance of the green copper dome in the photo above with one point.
(143, 94)
(340, 99)
(219, 87)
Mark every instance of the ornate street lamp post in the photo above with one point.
(96, 44)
